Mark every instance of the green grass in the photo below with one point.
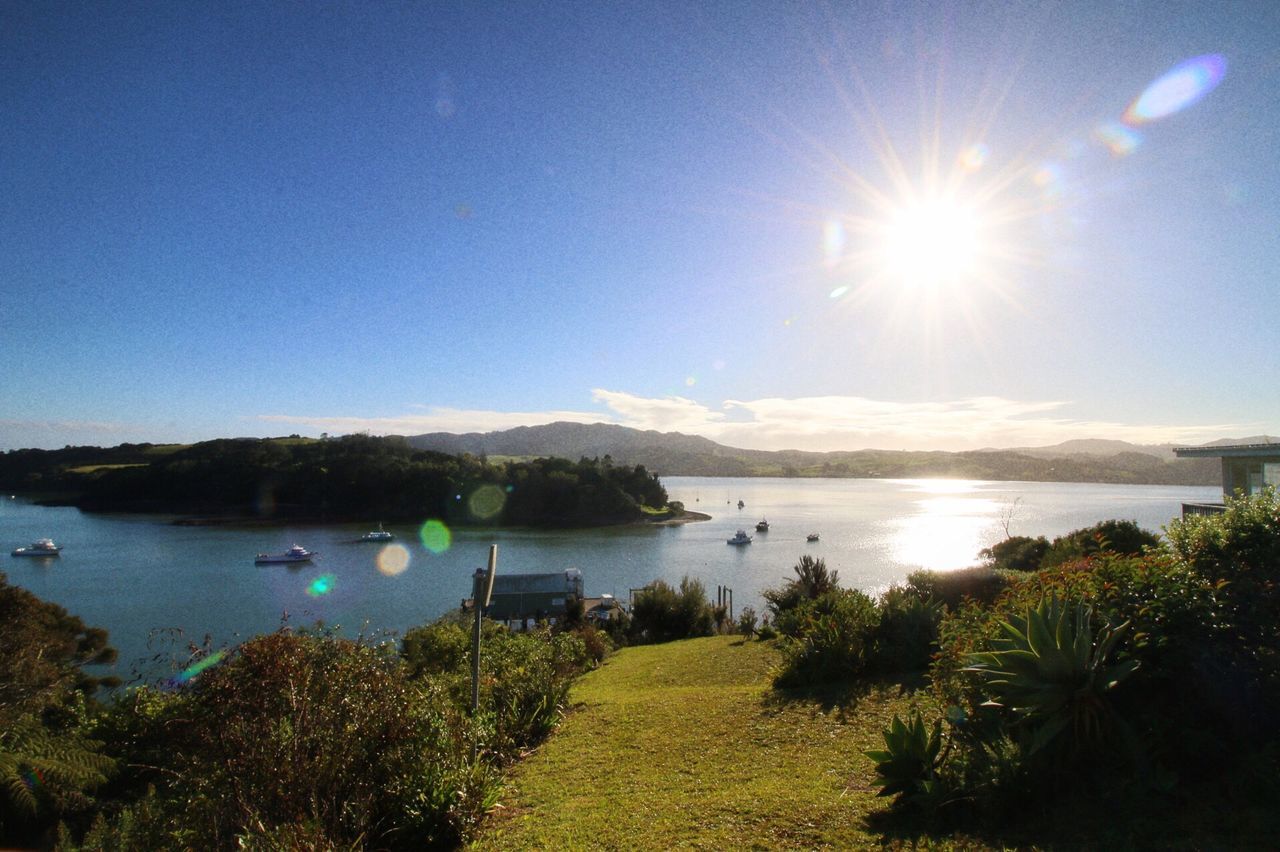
(684, 744)
(94, 468)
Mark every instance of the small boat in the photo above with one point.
(39, 547)
(297, 553)
(377, 535)
(811, 537)
(763, 526)
(741, 504)
(740, 537)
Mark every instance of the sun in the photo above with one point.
(930, 243)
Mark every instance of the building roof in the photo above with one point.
(1230, 451)
(516, 584)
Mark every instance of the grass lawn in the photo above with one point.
(684, 744)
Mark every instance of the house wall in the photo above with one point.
(1249, 475)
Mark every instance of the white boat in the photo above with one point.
(377, 535)
(40, 547)
(763, 526)
(297, 553)
(811, 537)
(740, 537)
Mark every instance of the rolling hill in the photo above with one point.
(675, 454)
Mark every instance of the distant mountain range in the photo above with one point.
(674, 454)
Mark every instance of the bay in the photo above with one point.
(159, 588)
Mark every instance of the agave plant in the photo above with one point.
(909, 762)
(1051, 671)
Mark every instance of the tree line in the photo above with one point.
(355, 477)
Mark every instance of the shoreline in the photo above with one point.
(685, 517)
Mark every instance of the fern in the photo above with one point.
(35, 759)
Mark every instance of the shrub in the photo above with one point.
(525, 682)
(1238, 552)
(1123, 537)
(662, 614)
(832, 639)
(813, 579)
(317, 737)
(524, 677)
(951, 588)
(747, 622)
(907, 634)
(1016, 553)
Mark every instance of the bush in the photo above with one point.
(1016, 553)
(951, 588)
(1123, 537)
(813, 579)
(832, 639)
(1238, 552)
(907, 634)
(662, 614)
(524, 677)
(747, 622)
(313, 737)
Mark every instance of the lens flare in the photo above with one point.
(833, 242)
(1120, 140)
(838, 292)
(1185, 84)
(690, 381)
(392, 560)
(435, 536)
(486, 502)
(973, 158)
(32, 778)
(1049, 179)
(191, 671)
(322, 585)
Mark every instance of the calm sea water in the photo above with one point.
(156, 587)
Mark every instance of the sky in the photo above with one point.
(804, 225)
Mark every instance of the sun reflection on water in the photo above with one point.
(952, 521)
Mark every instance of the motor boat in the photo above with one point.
(39, 547)
(740, 537)
(297, 553)
(763, 526)
(811, 537)
(377, 535)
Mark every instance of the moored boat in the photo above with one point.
(297, 553)
(811, 537)
(39, 547)
(377, 535)
(763, 526)
(740, 537)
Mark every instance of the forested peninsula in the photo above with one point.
(352, 478)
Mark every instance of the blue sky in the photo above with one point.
(260, 219)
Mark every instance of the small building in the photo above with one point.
(1247, 469)
(518, 598)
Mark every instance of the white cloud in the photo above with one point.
(804, 423)
(668, 414)
(850, 423)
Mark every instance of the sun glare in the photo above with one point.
(933, 243)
